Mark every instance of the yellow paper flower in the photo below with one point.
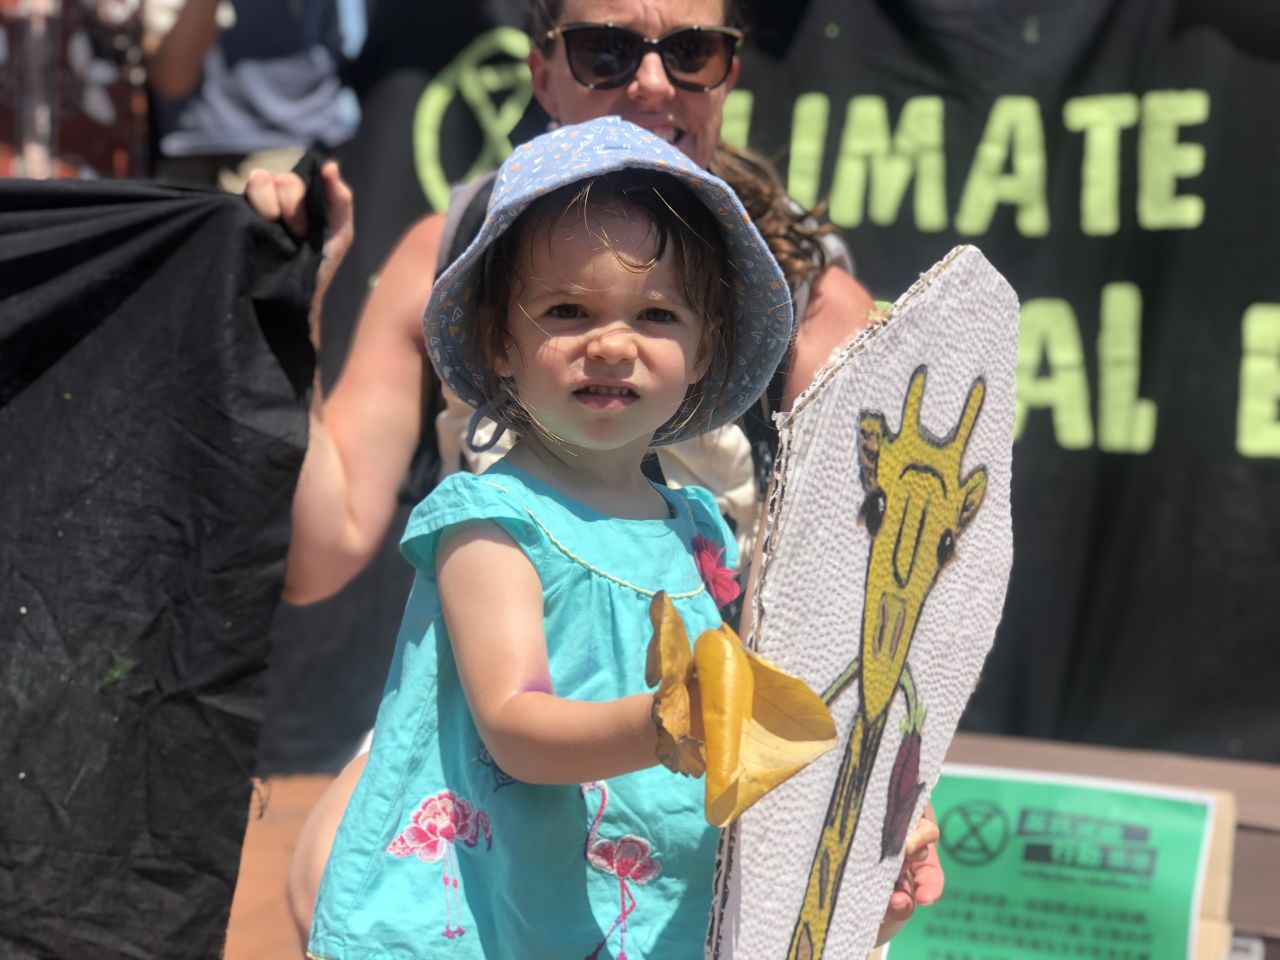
(669, 666)
(762, 725)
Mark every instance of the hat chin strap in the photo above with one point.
(476, 419)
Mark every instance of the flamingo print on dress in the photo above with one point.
(437, 824)
(626, 858)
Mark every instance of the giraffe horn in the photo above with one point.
(915, 398)
(972, 406)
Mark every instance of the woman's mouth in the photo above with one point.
(666, 131)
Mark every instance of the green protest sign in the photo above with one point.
(1043, 866)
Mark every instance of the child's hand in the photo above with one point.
(920, 881)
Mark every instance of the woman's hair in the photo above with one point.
(680, 227)
(791, 232)
(545, 14)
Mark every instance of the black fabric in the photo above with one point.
(771, 26)
(757, 424)
(154, 369)
(1141, 610)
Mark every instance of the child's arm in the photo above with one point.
(492, 602)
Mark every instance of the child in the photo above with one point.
(616, 298)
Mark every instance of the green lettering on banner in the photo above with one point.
(477, 81)
(1048, 335)
(1101, 119)
(1258, 416)
(1163, 160)
(873, 157)
(735, 130)
(1126, 423)
(1013, 138)
(808, 137)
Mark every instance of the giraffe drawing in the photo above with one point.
(916, 505)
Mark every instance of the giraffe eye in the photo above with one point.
(873, 511)
(946, 547)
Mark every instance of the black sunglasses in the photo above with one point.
(603, 56)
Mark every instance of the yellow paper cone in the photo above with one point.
(762, 725)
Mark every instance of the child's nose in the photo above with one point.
(615, 343)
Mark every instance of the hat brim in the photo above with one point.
(761, 299)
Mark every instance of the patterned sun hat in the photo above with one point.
(761, 298)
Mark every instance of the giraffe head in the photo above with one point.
(916, 506)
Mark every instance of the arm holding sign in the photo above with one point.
(921, 881)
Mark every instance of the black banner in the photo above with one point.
(154, 364)
(1116, 161)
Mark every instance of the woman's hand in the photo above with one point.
(921, 880)
(282, 197)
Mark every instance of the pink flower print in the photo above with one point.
(722, 583)
(626, 858)
(437, 824)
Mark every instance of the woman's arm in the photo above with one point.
(839, 309)
(364, 434)
(175, 57)
(492, 602)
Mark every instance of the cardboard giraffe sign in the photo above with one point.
(887, 553)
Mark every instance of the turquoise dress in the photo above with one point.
(441, 853)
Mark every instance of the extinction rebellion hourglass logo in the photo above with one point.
(975, 833)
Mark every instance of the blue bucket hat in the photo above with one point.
(761, 298)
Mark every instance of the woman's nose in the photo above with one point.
(615, 343)
(651, 83)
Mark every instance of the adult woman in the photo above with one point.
(364, 434)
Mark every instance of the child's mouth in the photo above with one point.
(600, 397)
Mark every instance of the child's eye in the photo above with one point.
(655, 315)
(565, 311)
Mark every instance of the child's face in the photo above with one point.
(601, 354)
